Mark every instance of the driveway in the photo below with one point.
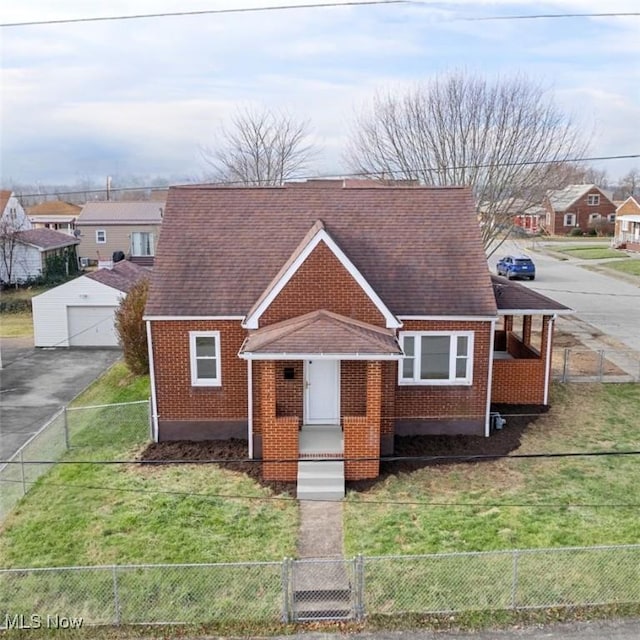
(35, 383)
(605, 302)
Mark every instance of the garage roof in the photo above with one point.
(122, 276)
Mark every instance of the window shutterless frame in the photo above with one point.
(453, 362)
(101, 236)
(204, 356)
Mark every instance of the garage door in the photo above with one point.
(91, 327)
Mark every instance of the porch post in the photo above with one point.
(526, 331)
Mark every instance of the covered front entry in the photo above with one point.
(316, 399)
(322, 392)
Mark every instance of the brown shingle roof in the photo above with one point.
(46, 239)
(512, 296)
(322, 332)
(419, 248)
(54, 208)
(122, 276)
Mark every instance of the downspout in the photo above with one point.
(154, 402)
(487, 422)
(250, 407)
(547, 373)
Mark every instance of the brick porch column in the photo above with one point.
(279, 435)
(362, 433)
(526, 331)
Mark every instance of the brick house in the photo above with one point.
(283, 315)
(627, 233)
(579, 206)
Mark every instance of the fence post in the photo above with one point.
(514, 581)
(150, 414)
(286, 588)
(116, 596)
(66, 429)
(359, 587)
(24, 483)
(565, 365)
(600, 365)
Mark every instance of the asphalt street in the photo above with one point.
(35, 383)
(609, 304)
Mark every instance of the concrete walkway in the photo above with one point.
(320, 533)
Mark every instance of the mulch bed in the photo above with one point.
(234, 452)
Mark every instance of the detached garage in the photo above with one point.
(80, 313)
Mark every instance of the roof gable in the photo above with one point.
(220, 248)
(312, 239)
(562, 199)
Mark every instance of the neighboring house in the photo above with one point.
(80, 313)
(531, 219)
(30, 250)
(130, 227)
(283, 315)
(12, 215)
(55, 214)
(627, 233)
(579, 206)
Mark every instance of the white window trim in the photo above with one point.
(593, 199)
(569, 216)
(467, 381)
(104, 233)
(204, 382)
(593, 217)
(612, 217)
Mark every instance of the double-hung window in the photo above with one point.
(569, 219)
(204, 351)
(101, 236)
(593, 199)
(436, 358)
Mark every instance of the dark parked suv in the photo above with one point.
(516, 267)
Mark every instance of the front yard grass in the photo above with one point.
(484, 506)
(593, 252)
(630, 267)
(16, 325)
(93, 514)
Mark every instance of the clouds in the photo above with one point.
(144, 94)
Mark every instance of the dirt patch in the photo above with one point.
(234, 453)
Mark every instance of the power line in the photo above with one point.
(175, 14)
(363, 502)
(383, 459)
(316, 5)
(355, 174)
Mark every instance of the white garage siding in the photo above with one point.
(92, 327)
(50, 309)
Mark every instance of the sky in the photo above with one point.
(142, 97)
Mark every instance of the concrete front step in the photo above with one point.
(323, 610)
(320, 480)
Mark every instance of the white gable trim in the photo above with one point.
(322, 236)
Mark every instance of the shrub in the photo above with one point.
(576, 232)
(131, 329)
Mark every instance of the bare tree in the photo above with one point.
(630, 184)
(11, 257)
(504, 138)
(260, 148)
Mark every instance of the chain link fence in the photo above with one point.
(70, 428)
(580, 364)
(302, 590)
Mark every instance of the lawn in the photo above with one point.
(94, 514)
(631, 267)
(484, 506)
(16, 325)
(591, 252)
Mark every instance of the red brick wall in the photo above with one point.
(421, 401)
(362, 433)
(176, 398)
(582, 211)
(322, 282)
(353, 388)
(289, 393)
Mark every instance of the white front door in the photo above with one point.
(322, 391)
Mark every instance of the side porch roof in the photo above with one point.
(513, 298)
